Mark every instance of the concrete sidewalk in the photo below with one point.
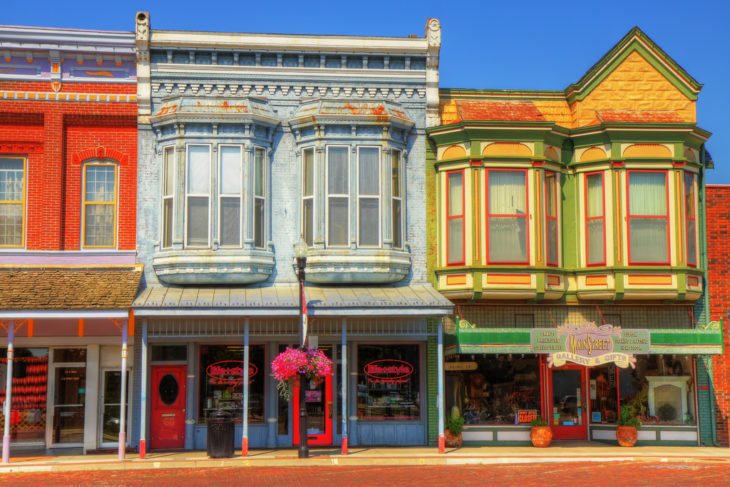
(557, 452)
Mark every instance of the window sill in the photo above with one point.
(222, 266)
(357, 266)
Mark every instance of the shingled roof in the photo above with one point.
(68, 289)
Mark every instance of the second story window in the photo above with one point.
(338, 201)
(507, 216)
(551, 217)
(12, 201)
(259, 198)
(396, 189)
(230, 196)
(168, 196)
(99, 205)
(308, 196)
(368, 196)
(455, 218)
(595, 221)
(648, 217)
(690, 219)
(197, 195)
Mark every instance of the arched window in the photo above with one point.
(99, 212)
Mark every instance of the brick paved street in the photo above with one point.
(594, 474)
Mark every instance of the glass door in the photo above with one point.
(567, 396)
(110, 407)
(69, 397)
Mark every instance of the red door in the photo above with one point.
(318, 401)
(568, 402)
(167, 415)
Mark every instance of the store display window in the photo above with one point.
(221, 381)
(30, 382)
(494, 389)
(603, 394)
(660, 389)
(388, 382)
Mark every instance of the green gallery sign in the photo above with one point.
(589, 344)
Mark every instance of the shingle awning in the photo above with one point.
(281, 300)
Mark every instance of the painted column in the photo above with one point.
(344, 386)
(123, 397)
(244, 420)
(440, 373)
(8, 392)
(143, 396)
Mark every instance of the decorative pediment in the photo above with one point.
(214, 109)
(333, 111)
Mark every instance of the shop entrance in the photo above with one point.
(318, 401)
(568, 402)
(167, 413)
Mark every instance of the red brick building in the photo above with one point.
(68, 179)
(718, 276)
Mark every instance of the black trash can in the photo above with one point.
(220, 434)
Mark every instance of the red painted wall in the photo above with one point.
(718, 250)
(57, 136)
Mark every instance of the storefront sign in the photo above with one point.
(229, 372)
(454, 366)
(388, 371)
(590, 344)
(526, 415)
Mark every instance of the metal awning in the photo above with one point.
(282, 300)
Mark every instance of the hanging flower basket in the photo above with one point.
(293, 362)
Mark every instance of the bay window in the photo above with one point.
(259, 199)
(396, 188)
(551, 218)
(690, 219)
(168, 196)
(507, 216)
(99, 204)
(230, 196)
(12, 201)
(198, 195)
(595, 219)
(368, 197)
(338, 199)
(308, 195)
(455, 217)
(648, 217)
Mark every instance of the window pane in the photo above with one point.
(259, 173)
(648, 240)
(11, 224)
(388, 383)
(259, 228)
(647, 193)
(552, 240)
(507, 239)
(308, 172)
(397, 225)
(691, 243)
(550, 203)
(230, 176)
(308, 217)
(100, 183)
(594, 197)
(368, 173)
(11, 179)
(456, 240)
(231, 221)
(198, 169)
(369, 222)
(167, 223)
(396, 176)
(507, 193)
(169, 184)
(337, 171)
(689, 195)
(338, 221)
(99, 226)
(595, 241)
(198, 220)
(456, 200)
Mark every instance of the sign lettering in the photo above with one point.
(229, 372)
(388, 371)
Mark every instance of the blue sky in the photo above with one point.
(485, 44)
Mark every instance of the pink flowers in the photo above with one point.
(313, 363)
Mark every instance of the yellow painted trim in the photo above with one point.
(456, 280)
(137, 267)
(84, 204)
(596, 280)
(593, 154)
(520, 279)
(454, 152)
(506, 149)
(638, 280)
(552, 154)
(647, 150)
(20, 202)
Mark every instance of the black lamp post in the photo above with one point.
(300, 251)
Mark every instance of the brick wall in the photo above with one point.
(57, 137)
(718, 276)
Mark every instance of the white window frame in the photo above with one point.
(378, 196)
(338, 195)
(23, 202)
(399, 161)
(222, 195)
(164, 197)
(311, 197)
(188, 195)
(85, 165)
(254, 197)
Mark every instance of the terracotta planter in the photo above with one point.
(541, 436)
(626, 435)
(453, 441)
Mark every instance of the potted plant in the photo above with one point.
(454, 426)
(290, 364)
(541, 433)
(626, 427)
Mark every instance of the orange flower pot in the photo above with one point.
(541, 436)
(453, 441)
(626, 435)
